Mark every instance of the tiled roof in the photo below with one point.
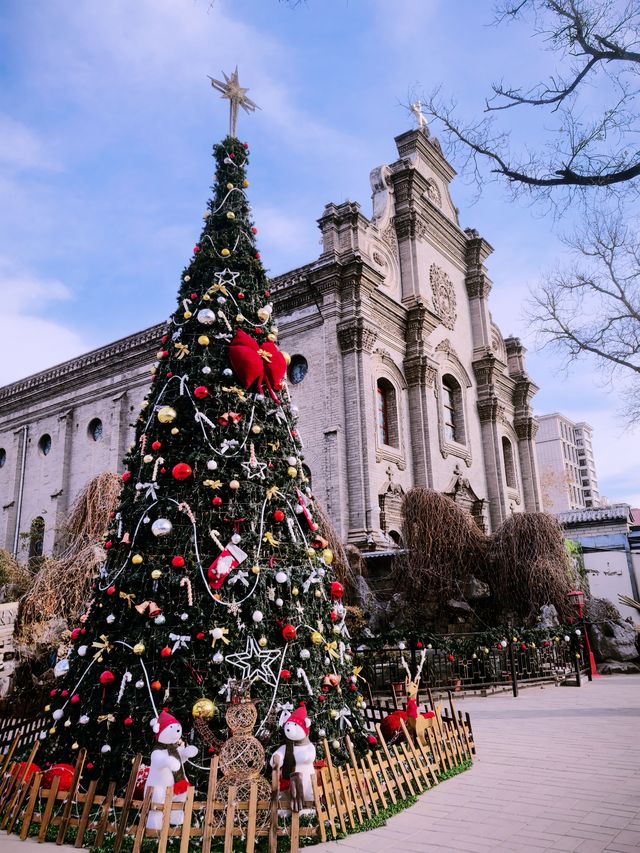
(615, 512)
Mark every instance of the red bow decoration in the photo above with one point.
(253, 362)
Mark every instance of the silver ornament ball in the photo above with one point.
(206, 316)
(161, 527)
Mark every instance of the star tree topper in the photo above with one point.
(237, 97)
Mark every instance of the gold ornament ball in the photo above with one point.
(230, 214)
(175, 431)
(327, 555)
(137, 559)
(239, 318)
(225, 253)
(256, 429)
(310, 552)
(203, 340)
(187, 315)
(235, 485)
(316, 638)
(295, 590)
(47, 708)
(336, 629)
(52, 731)
(333, 714)
(286, 357)
(139, 649)
(229, 186)
(291, 471)
(272, 337)
(255, 570)
(318, 593)
(203, 709)
(245, 184)
(75, 745)
(263, 314)
(167, 414)
(156, 574)
(262, 642)
(148, 458)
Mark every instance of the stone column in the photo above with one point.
(62, 495)
(490, 411)
(119, 431)
(356, 341)
(526, 429)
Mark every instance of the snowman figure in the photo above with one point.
(295, 758)
(166, 768)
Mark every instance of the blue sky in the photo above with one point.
(106, 127)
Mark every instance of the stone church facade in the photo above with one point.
(400, 376)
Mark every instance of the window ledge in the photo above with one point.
(391, 454)
(453, 448)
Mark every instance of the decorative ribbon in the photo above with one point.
(128, 597)
(314, 577)
(343, 717)
(331, 649)
(225, 631)
(213, 484)
(284, 709)
(272, 492)
(227, 444)
(182, 350)
(235, 390)
(107, 718)
(268, 538)
(150, 606)
(185, 581)
(179, 641)
(151, 490)
(103, 646)
(241, 576)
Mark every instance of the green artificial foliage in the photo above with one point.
(218, 459)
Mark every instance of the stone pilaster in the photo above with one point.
(62, 496)
(524, 424)
(490, 412)
(478, 288)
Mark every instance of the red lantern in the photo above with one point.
(285, 675)
(63, 771)
(107, 677)
(278, 515)
(126, 476)
(181, 471)
(201, 392)
(177, 562)
(165, 652)
(289, 633)
(337, 590)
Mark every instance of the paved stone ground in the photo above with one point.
(557, 769)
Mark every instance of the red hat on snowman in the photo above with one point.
(300, 718)
(163, 721)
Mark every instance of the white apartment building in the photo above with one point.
(567, 468)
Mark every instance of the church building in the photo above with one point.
(400, 377)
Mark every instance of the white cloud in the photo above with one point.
(30, 340)
(21, 148)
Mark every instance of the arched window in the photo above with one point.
(452, 409)
(396, 537)
(45, 444)
(36, 538)
(387, 413)
(298, 369)
(509, 463)
(94, 430)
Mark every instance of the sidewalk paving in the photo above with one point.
(557, 769)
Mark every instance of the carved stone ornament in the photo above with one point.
(389, 236)
(444, 296)
(433, 193)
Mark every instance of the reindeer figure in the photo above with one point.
(416, 723)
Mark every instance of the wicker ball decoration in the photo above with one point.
(243, 790)
(241, 717)
(242, 756)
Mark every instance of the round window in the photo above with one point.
(297, 369)
(45, 444)
(3, 457)
(95, 429)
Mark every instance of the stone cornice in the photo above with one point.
(120, 356)
(356, 336)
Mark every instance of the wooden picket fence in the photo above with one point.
(344, 797)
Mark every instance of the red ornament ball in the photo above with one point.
(278, 515)
(285, 675)
(64, 694)
(156, 685)
(241, 296)
(245, 145)
(523, 647)
(372, 740)
(107, 677)
(126, 476)
(196, 249)
(546, 644)
(128, 721)
(254, 230)
(289, 633)
(169, 374)
(267, 293)
(156, 445)
(53, 692)
(419, 644)
(353, 687)
(63, 771)
(201, 392)
(257, 256)
(337, 590)
(333, 616)
(74, 699)
(164, 339)
(90, 767)
(450, 658)
(177, 562)
(321, 698)
(165, 652)
(111, 590)
(108, 544)
(24, 770)
(75, 633)
(217, 500)
(232, 156)
(194, 295)
(181, 471)
(200, 635)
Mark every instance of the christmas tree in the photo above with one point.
(215, 568)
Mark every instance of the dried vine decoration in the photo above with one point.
(444, 544)
(530, 566)
(62, 585)
(345, 569)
